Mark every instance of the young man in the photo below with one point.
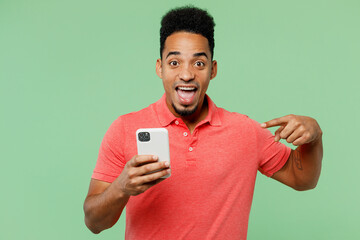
(215, 154)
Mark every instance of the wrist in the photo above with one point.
(318, 140)
(117, 191)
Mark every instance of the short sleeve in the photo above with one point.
(110, 162)
(272, 155)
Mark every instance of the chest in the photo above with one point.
(211, 153)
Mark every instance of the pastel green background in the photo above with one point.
(69, 68)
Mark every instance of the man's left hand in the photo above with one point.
(296, 129)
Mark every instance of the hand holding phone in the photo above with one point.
(150, 166)
(154, 141)
(136, 176)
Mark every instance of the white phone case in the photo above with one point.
(157, 145)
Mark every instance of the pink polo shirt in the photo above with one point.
(213, 172)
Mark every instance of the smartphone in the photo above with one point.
(154, 141)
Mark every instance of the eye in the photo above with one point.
(199, 64)
(174, 63)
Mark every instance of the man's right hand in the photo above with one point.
(106, 201)
(136, 177)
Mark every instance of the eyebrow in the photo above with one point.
(200, 54)
(195, 54)
(172, 53)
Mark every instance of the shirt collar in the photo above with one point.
(166, 117)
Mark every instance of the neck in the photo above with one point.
(200, 114)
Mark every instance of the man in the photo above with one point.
(215, 154)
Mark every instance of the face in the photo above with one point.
(186, 70)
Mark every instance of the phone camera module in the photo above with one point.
(144, 136)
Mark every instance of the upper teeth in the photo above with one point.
(187, 88)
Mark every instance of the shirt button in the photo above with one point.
(177, 122)
(185, 134)
(190, 149)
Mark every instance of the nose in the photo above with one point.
(186, 73)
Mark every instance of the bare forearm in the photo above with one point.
(302, 170)
(103, 210)
(307, 164)
(105, 202)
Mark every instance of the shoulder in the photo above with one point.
(135, 116)
(130, 122)
(237, 119)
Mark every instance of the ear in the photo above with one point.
(213, 69)
(159, 68)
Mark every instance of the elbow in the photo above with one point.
(94, 231)
(91, 227)
(88, 222)
(305, 186)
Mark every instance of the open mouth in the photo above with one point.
(186, 94)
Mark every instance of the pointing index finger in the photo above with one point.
(274, 122)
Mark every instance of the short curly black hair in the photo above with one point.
(188, 19)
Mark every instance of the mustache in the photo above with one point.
(185, 83)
